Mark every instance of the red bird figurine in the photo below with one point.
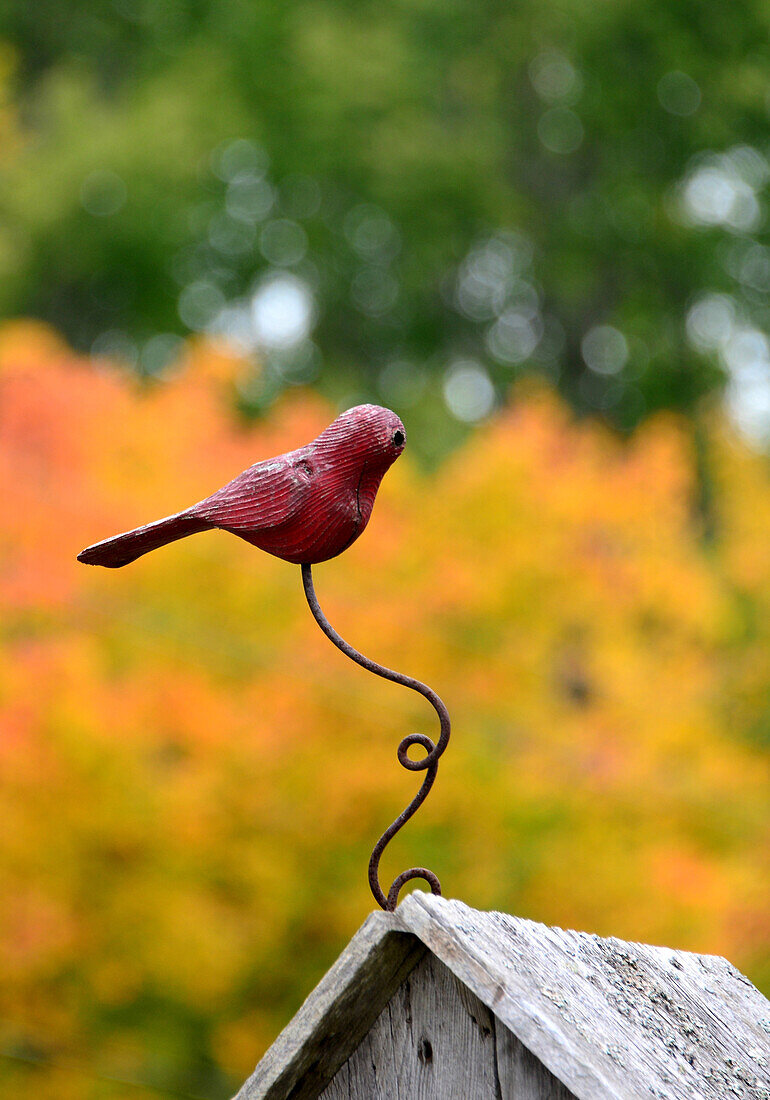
(305, 506)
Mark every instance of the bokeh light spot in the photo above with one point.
(240, 157)
(115, 344)
(721, 190)
(468, 391)
(514, 336)
(605, 349)
(199, 303)
(159, 353)
(710, 321)
(249, 198)
(554, 77)
(372, 234)
(282, 311)
(560, 130)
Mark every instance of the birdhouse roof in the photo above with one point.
(609, 1019)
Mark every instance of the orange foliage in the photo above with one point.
(191, 777)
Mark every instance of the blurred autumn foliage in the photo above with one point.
(192, 777)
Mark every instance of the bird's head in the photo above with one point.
(370, 434)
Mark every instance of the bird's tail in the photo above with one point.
(122, 549)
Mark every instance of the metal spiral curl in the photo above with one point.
(427, 763)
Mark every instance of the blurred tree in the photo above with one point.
(393, 201)
(191, 777)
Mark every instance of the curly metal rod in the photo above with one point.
(427, 763)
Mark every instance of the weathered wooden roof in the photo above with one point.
(609, 1019)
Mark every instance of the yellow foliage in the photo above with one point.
(191, 777)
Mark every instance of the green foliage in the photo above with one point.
(451, 181)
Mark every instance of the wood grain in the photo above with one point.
(435, 1040)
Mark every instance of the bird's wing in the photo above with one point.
(265, 496)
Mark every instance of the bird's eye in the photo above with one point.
(398, 438)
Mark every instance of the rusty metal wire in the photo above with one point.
(427, 763)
